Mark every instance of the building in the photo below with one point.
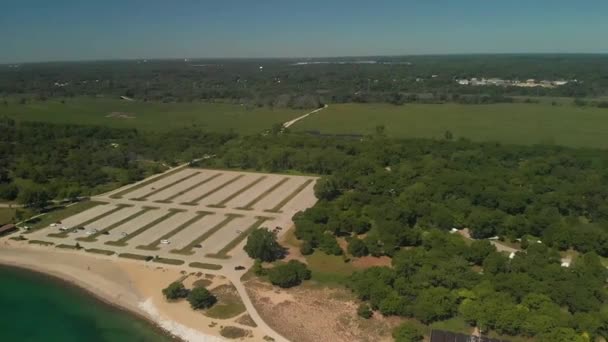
(7, 229)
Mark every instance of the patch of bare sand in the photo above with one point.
(316, 314)
(370, 261)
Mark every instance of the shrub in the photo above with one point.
(357, 248)
(175, 290)
(289, 274)
(306, 248)
(407, 333)
(201, 298)
(365, 311)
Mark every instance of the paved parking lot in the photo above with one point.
(213, 209)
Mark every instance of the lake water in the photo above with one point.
(35, 308)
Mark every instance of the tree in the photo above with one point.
(561, 335)
(175, 290)
(434, 304)
(289, 274)
(407, 332)
(306, 248)
(448, 135)
(357, 247)
(35, 198)
(364, 311)
(262, 244)
(201, 298)
(327, 189)
(479, 250)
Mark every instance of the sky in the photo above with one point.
(58, 30)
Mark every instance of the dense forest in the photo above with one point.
(401, 198)
(307, 83)
(42, 161)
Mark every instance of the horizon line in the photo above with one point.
(127, 59)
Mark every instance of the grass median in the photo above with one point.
(188, 249)
(154, 245)
(123, 241)
(278, 207)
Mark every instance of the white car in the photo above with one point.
(123, 234)
(53, 224)
(165, 242)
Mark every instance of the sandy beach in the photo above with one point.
(130, 285)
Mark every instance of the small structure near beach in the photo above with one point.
(7, 229)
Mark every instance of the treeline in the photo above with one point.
(43, 161)
(393, 189)
(281, 83)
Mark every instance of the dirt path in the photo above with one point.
(291, 122)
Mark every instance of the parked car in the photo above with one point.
(165, 242)
(239, 268)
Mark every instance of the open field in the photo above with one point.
(516, 123)
(150, 116)
(186, 216)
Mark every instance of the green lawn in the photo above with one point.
(150, 115)
(7, 215)
(517, 123)
(60, 213)
(328, 270)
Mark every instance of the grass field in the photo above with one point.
(517, 123)
(150, 116)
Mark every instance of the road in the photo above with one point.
(291, 122)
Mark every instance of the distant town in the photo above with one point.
(530, 83)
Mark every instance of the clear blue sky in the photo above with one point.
(42, 30)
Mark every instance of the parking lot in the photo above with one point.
(193, 215)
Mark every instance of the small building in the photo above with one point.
(7, 229)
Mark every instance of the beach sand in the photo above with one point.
(131, 285)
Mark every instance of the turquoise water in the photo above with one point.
(36, 308)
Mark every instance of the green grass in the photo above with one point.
(455, 324)
(329, 270)
(144, 197)
(229, 303)
(222, 203)
(154, 245)
(7, 215)
(123, 241)
(188, 249)
(204, 181)
(39, 242)
(214, 190)
(205, 266)
(100, 251)
(135, 256)
(249, 206)
(168, 261)
(151, 116)
(93, 237)
(60, 213)
(120, 194)
(277, 208)
(223, 253)
(233, 333)
(517, 123)
(64, 246)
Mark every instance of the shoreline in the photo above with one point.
(129, 287)
(94, 296)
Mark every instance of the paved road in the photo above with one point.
(291, 122)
